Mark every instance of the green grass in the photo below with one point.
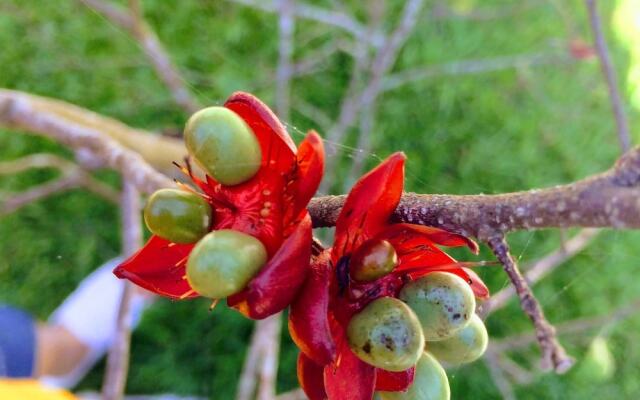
(493, 132)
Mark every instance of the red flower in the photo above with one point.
(318, 318)
(270, 206)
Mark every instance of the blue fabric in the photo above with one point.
(17, 343)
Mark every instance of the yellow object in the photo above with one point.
(22, 389)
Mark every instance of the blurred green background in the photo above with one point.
(511, 129)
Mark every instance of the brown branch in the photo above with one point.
(135, 25)
(118, 357)
(611, 199)
(609, 73)
(542, 267)
(286, 26)
(553, 354)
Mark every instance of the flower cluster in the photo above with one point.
(375, 312)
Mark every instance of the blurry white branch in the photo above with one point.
(72, 176)
(326, 16)
(133, 22)
(473, 66)
(117, 368)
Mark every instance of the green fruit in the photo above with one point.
(598, 365)
(430, 383)
(465, 346)
(372, 260)
(177, 215)
(386, 334)
(223, 145)
(223, 262)
(443, 302)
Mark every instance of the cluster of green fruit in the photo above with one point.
(433, 320)
(223, 261)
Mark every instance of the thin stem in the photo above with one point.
(609, 73)
(118, 357)
(553, 354)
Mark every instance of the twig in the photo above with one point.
(269, 330)
(247, 381)
(39, 115)
(286, 25)
(365, 99)
(610, 76)
(541, 268)
(471, 67)
(261, 362)
(553, 354)
(296, 394)
(72, 177)
(325, 16)
(567, 328)
(118, 357)
(135, 25)
(502, 383)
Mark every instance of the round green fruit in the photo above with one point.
(386, 334)
(223, 262)
(372, 260)
(430, 383)
(177, 215)
(443, 302)
(465, 346)
(223, 145)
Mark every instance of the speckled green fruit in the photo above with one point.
(465, 346)
(430, 383)
(443, 302)
(223, 262)
(372, 260)
(177, 215)
(223, 145)
(386, 334)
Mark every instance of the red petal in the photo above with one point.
(402, 232)
(248, 211)
(279, 281)
(348, 377)
(477, 285)
(308, 315)
(159, 267)
(369, 205)
(309, 172)
(278, 150)
(310, 376)
(389, 381)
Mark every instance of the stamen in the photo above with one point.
(187, 294)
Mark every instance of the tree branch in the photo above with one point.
(541, 268)
(611, 199)
(610, 76)
(118, 357)
(322, 15)
(553, 354)
(82, 130)
(133, 22)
